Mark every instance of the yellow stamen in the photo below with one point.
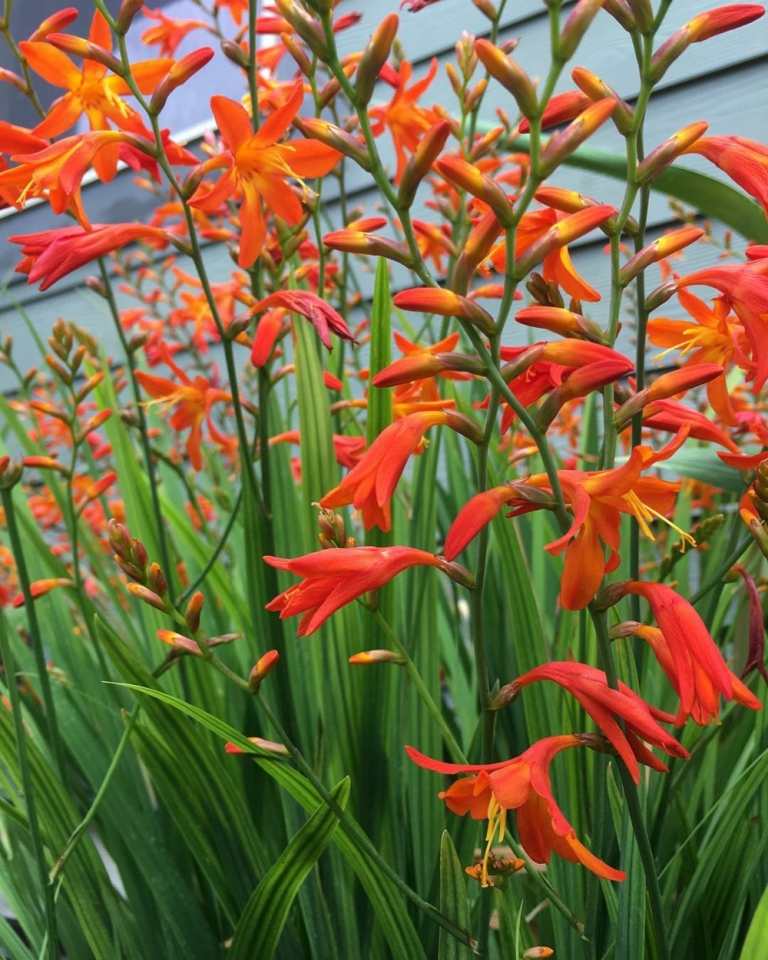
(644, 514)
(497, 824)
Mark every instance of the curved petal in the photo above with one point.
(51, 64)
(310, 158)
(232, 120)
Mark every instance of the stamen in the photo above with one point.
(643, 514)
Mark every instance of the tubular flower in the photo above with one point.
(193, 399)
(370, 485)
(420, 364)
(712, 337)
(705, 707)
(256, 167)
(335, 577)
(90, 91)
(521, 784)
(52, 254)
(320, 314)
(744, 288)
(610, 709)
(745, 161)
(169, 31)
(406, 121)
(691, 647)
(597, 501)
(557, 266)
(673, 417)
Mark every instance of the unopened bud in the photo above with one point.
(667, 385)
(333, 136)
(421, 162)
(355, 241)
(445, 303)
(621, 11)
(467, 177)
(373, 59)
(457, 573)
(87, 50)
(234, 53)
(487, 9)
(661, 157)
(510, 75)
(656, 298)
(576, 26)
(56, 22)
(560, 234)
(297, 52)
(263, 666)
(179, 73)
(156, 579)
(308, 28)
(367, 657)
(562, 144)
(597, 89)
(662, 247)
(128, 10)
(193, 610)
(140, 592)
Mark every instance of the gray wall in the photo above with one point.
(722, 81)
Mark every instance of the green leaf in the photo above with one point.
(396, 924)
(259, 929)
(757, 935)
(453, 900)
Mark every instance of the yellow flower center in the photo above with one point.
(497, 828)
(645, 515)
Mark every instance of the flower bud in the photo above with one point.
(193, 610)
(56, 22)
(581, 382)
(89, 386)
(373, 59)
(420, 163)
(487, 9)
(643, 14)
(262, 668)
(235, 53)
(660, 295)
(333, 136)
(456, 572)
(561, 145)
(267, 746)
(704, 25)
(156, 579)
(356, 241)
(308, 28)
(667, 385)
(39, 588)
(140, 592)
(661, 157)
(597, 89)
(558, 320)
(479, 243)
(87, 50)
(45, 463)
(179, 73)
(467, 177)
(464, 425)
(576, 26)
(510, 75)
(297, 52)
(662, 247)
(128, 10)
(9, 77)
(621, 12)
(366, 657)
(445, 303)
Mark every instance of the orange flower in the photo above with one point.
(370, 485)
(557, 266)
(169, 31)
(256, 167)
(744, 288)
(406, 120)
(745, 161)
(335, 577)
(521, 784)
(39, 588)
(625, 719)
(90, 91)
(712, 337)
(597, 501)
(193, 399)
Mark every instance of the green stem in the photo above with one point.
(149, 463)
(27, 786)
(35, 637)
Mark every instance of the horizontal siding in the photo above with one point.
(722, 81)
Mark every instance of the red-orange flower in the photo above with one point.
(193, 399)
(625, 719)
(169, 32)
(257, 167)
(705, 707)
(692, 649)
(52, 254)
(320, 314)
(521, 784)
(333, 578)
(597, 501)
(370, 485)
(406, 120)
